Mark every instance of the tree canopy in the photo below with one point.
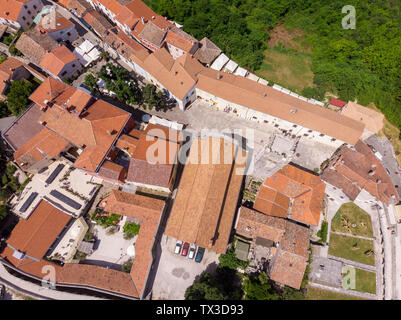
(356, 64)
(17, 96)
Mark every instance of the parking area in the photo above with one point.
(176, 273)
(326, 271)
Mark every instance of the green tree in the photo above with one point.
(3, 212)
(4, 111)
(258, 288)
(131, 230)
(231, 261)
(17, 97)
(205, 288)
(90, 81)
(127, 266)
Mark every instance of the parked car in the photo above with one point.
(185, 249)
(191, 253)
(199, 254)
(178, 247)
(2, 291)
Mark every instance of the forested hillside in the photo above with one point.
(361, 64)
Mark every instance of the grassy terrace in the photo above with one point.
(359, 250)
(318, 294)
(364, 281)
(289, 69)
(353, 220)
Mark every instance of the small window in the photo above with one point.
(23, 18)
(309, 131)
(265, 121)
(35, 7)
(29, 12)
(334, 139)
(64, 73)
(321, 135)
(68, 33)
(73, 65)
(294, 126)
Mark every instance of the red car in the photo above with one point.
(185, 249)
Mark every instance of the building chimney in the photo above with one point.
(219, 76)
(372, 172)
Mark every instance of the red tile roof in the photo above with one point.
(265, 99)
(289, 263)
(44, 144)
(11, 9)
(337, 103)
(35, 235)
(148, 211)
(24, 128)
(206, 200)
(112, 171)
(95, 130)
(354, 170)
(304, 189)
(57, 59)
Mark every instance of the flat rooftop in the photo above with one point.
(67, 189)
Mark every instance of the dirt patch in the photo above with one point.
(290, 39)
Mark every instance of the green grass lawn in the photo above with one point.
(364, 281)
(289, 69)
(318, 294)
(351, 248)
(353, 220)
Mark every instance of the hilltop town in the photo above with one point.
(139, 162)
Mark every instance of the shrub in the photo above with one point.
(126, 266)
(322, 233)
(230, 260)
(131, 230)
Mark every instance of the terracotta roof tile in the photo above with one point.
(205, 204)
(35, 45)
(153, 34)
(57, 59)
(35, 235)
(148, 210)
(305, 190)
(11, 9)
(265, 99)
(288, 269)
(372, 119)
(24, 128)
(207, 52)
(254, 224)
(354, 170)
(44, 144)
(113, 171)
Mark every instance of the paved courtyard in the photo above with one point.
(176, 273)
(201, 115)
(111, 249)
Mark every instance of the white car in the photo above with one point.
(178, 247)
(192, 250)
